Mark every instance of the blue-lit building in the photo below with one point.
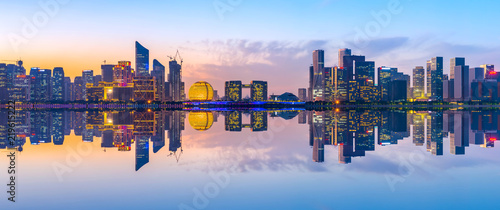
(141, 60)
(436, 70)
(159, 74)
(41, 85)
(58, 91)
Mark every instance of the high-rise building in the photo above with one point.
(461, 83)
(329, 84)
(176, 90)
(141, 60)
(233, 91)
(58, 90)
(487, 69)
(476, 73)
(78, 87)
(3, 75)
(88, 78)
(41, 86)
(144, 88)
(22, 82)
(453, 63)
(340, 84)
(159, 74)
(97, 79)
(428, 82)
(418, 82)
(123, 73)
(258, 91)
(318, 66)
(349, 63)
(384, 79)
(107, 72)
(67, 89)
(485, 90)
(365, 70)
(437, 78)
(342, 53)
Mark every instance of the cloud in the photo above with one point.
(381, 46)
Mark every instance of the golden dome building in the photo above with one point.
(201, 91)
(201, 121)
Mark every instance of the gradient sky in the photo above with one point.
(259, 40)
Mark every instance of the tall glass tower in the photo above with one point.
(141, 60)
(58, 90)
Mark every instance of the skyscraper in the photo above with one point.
(258, 90)
(365, 70)
(455, 62)
(88, 78)
(418, 82)
(428, 82)
(159, 74)
(67, 89)
(176, 90)
(318, 66)
(41, 86)
(342, 53)
(58, 90)
(384, 79)
(141, 60)
(78, 86)
(123, 73)
(107, 72)
(487, 69)
(144, 88)
(437, 78)
(461, 83)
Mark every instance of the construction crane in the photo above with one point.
(177, 55)
(18, 62)
(177, 156)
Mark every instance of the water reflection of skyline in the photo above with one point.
(354, 133)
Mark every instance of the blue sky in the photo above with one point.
(252, 39)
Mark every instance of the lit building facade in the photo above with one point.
(144, 88)
(58, 90)
(419, 82)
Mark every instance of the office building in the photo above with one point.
(107, 72)
(454, 62)
(342, 53)
(123, 73)
(159, 74)
(176, 86)
(41, 86)
(144, 88)
(58, 91)
(419, 82)
(317, 77)
(437, 78)
(233, 91)
(258, 91)
(488, 68)
(461, 83)
(141, 60)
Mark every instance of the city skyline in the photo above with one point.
(357, 80)
(224, 46)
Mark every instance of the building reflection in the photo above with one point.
(353, 133)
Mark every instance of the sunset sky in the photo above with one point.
(245, 40)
